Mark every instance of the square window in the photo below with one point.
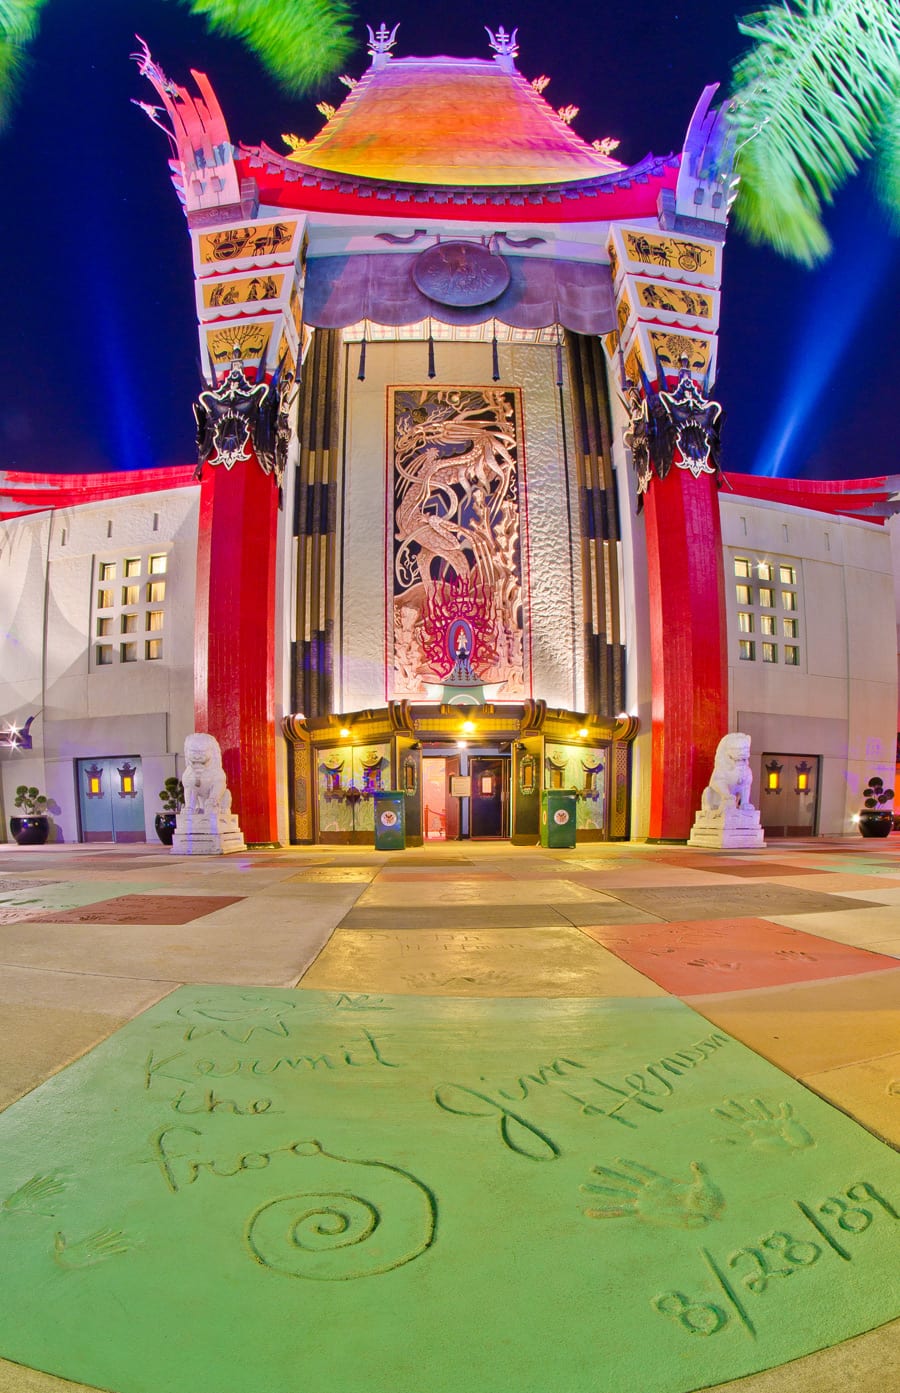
(104, 627)
(131, 594)
(745, 622)
(157, 565)
(104, 599)
(767, 624)
(131, 566)
(129, 623)
(104, 654)
(791, 655)
(766, 571)
(742, 566)
(790, 628)
(787, 575)
(788, 599)
(156, 592)
(153, 648)
(747, 650)
(154, 619)
(770, 652)
(744, 594)
(766, 597)
(128, 652)
(107, 570)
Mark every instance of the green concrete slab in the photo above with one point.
(553, 962)
(733, 901)
(248, 1190)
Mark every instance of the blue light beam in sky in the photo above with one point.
(839, 299)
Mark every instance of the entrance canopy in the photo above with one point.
(342, 290)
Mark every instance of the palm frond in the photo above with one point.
(808, 102)
(18, 26)
(886, 169)
(300, 42)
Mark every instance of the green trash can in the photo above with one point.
(558, 817)
(390, 820)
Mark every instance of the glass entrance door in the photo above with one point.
(111, 799)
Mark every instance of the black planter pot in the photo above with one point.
(875, 824)
(30, 831)
(165, 827)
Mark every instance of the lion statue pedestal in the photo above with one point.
(206, 826)
(727, 818)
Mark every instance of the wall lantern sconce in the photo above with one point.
(803, 772)
(127, 785)
(773, 776)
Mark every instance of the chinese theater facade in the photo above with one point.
(437, 337)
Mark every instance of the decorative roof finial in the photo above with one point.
(381, 42)
(504, 46)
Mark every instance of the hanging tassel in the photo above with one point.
(361, 375)
(559, 362)
(495, 356)
(431, 368)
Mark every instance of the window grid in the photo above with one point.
(767, 593)
(129, 610)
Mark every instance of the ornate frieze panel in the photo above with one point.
(227, 295)
(457, 593)
(250, 245)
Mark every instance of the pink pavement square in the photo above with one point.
(709, 956)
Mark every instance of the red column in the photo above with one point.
(234, 636)
(687, 644)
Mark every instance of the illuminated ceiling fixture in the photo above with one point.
(583, 732)
(462, 744)
(344, 732)
(468, 726)
(16, 737)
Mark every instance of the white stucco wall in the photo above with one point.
(47, 579)
(841, 701)
(556, 624)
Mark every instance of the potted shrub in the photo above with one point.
(171, 795)
(34, 828)
(876, 820)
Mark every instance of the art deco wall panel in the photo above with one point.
(457, 593)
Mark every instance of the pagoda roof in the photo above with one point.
(450, 122)
(627, 192)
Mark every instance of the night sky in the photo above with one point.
(100, 344)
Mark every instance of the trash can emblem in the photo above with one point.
(560, 817)
(388, 818)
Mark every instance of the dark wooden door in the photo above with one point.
(489, 796)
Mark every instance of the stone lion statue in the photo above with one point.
(729, 786)
(205, 789)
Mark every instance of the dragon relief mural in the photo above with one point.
(457, 601)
